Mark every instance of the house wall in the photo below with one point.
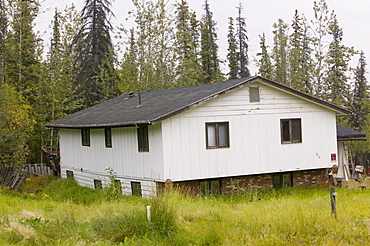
(255, 138)
(89, 163)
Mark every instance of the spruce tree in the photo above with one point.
(188, 70)
(232, 51)
(129, 66)
(242, 40)
(360, 100)
(299, 56)
(337, 61)
(280, 53)
(264, 63)
(96, 78)
(209, 48)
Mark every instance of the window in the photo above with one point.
(136, 188)
(291, 131)
(142, 138)
(108, 137)
(217, 135)
(282, 180)
(98, 184)
(69, 174)
(85, 133)
(254, 94)
(210, 187)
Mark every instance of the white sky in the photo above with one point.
(353, 17)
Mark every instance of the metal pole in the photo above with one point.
(333, 202)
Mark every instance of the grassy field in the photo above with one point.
(58, 212)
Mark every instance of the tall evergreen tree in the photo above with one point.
(264, 63)
(299, 56)
(360, 99)
(242, 39)
(337, 60)
(232, 51)
(209, 48)
(57, 96)
(280, 53)
(188, 71)
(96, 76)
(129, 66)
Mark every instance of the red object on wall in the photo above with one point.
(333, 157)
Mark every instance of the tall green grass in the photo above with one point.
(62, 213)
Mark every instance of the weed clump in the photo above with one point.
(128, 224)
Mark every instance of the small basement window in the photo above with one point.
(210, 187)
(291, 131)
(136, 188)
(217, 135)
(281, 180)
(98, 184)
(70, 174)
(143, 138)
(108, 137)
(85, 136)
(254, 94)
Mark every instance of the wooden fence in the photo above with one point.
(13, 178)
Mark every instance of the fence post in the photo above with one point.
(333, 194)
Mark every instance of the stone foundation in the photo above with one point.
(232, 185)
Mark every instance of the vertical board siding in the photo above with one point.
(255, 138)
(124, 157)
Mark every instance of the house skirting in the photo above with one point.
(232, 185)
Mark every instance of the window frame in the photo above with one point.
(210, 187)
(136, 189)
(293, 136)
(85, 137)
(217, 135)
(254, 94)
(108, 137)
(98, 185)
(143, 138)
(70, 175)
(282, 177)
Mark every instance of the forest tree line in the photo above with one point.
(169, 46)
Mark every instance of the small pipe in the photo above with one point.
(148, 215)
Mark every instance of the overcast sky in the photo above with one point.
(353, 17)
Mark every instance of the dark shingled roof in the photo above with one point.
(345, 133)
(157, 106)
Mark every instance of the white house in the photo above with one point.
(214, 138)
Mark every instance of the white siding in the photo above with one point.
(255, 139)
(89, 163)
